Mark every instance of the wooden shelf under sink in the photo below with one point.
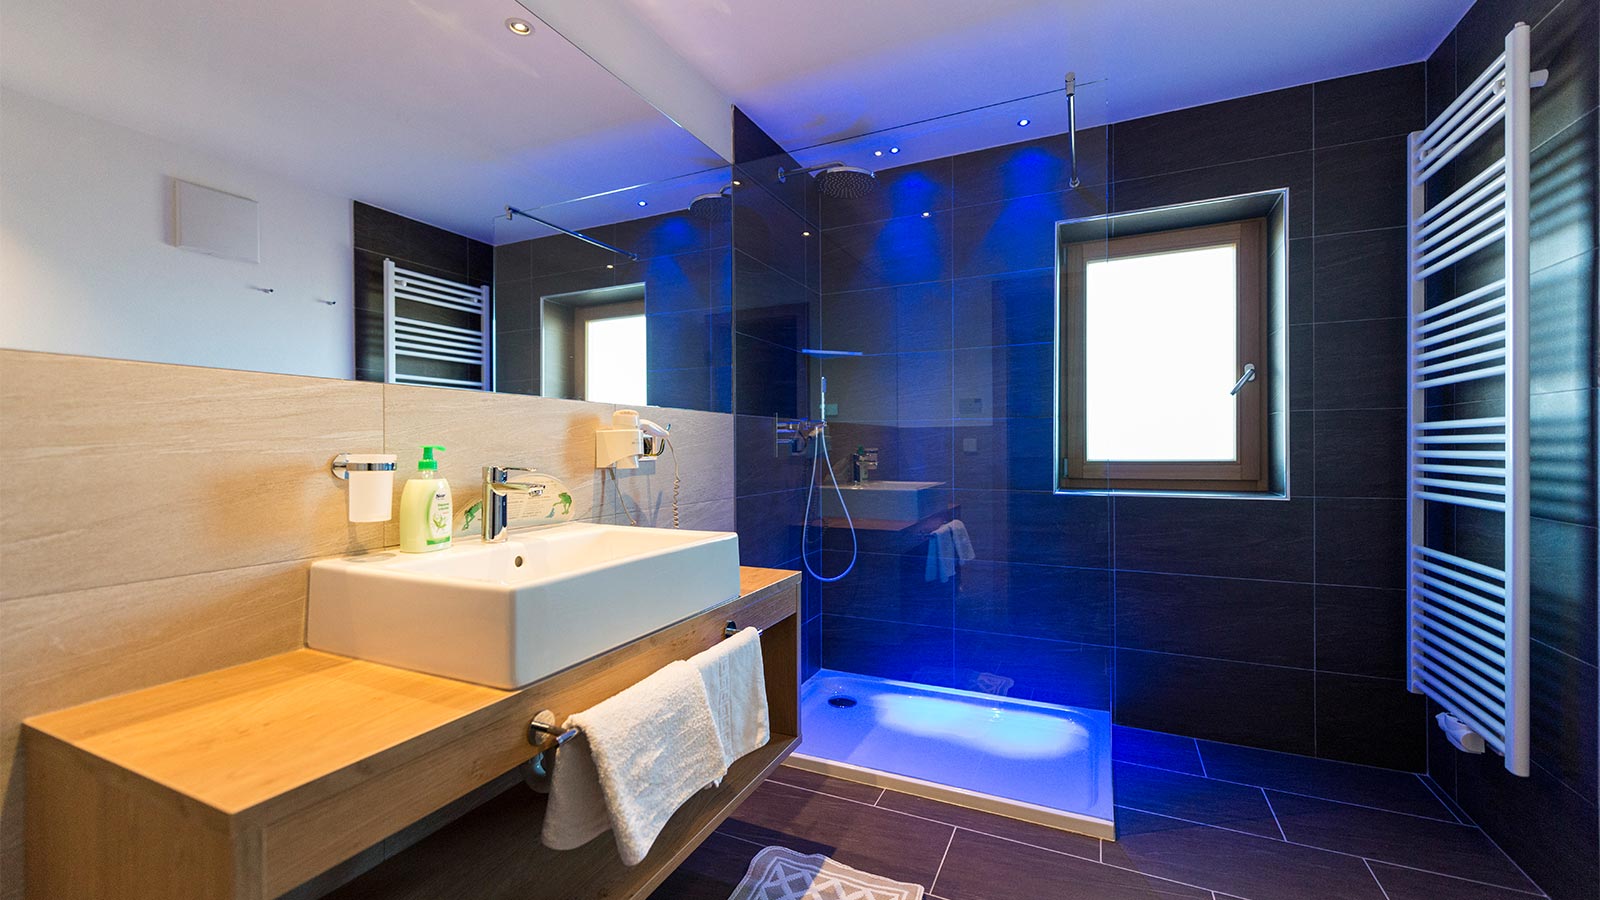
(246, 782)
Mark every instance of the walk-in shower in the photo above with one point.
(959, 614)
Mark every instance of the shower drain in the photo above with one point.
(842, 702)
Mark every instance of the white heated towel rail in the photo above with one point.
(409, 339)
(1468, 610)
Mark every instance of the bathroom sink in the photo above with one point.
(907, 501)
(507, 614)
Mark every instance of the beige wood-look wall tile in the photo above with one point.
(124, 471)
(477, 429)
(58, 650)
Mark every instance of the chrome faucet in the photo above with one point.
(497, 485)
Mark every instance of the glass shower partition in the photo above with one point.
(959, 608)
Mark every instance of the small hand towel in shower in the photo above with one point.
(736, 686)
(641, 754)
(948, 546)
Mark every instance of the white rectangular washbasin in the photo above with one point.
(906, 501)
(507, 614)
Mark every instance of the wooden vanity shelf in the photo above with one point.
(247, 782)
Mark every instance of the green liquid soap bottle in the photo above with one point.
(426, 519)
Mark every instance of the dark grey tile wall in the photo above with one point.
(1549, 822)
(1275, 624)
(379, 235)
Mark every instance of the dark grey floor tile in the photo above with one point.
(981, 867)
(1155, 748)
(874, 840)
(824, 784)
(997, 826)
(1411, 884)
(711, 872)
(1219, 803)
(1234, 863)
(1348, 783)
(1443, 847)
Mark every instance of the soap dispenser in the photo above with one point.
(425, 514)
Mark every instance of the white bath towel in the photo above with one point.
(941, 563)
(641, 754)
(948, 546)
(962, 540)
(736, 687)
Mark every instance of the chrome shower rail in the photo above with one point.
(1467, 619)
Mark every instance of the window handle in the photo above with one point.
(1249, 375)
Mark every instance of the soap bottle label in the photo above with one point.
(439, 517)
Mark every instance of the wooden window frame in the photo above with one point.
(1249, 471)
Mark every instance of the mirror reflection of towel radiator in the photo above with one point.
(408, 339)
(1467, 620)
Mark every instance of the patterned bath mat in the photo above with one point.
(778, 873)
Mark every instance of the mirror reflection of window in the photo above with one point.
(593, 345)
(614, 360)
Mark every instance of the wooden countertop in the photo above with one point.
(237, 738)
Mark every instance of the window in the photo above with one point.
(614, 359)
(1157, 330)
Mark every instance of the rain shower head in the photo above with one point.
(837, 180)
(712, 207)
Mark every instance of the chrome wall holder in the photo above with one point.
(341, 466)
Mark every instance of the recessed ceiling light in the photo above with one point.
(894, 149)
(877, 153)
(1023, 123)
(805, 234)
(737, 183)
(610, 266)
(926, 214)
(644, 203)
(519, 26)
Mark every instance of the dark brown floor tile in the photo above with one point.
(1155, 748)
(1234, 863)
(825, 784)
(711, 872)
(1201, 800)
(981, 867)
(1410, 884)
(874, 840)
(1443, 847)
(1346, 782)
(998, 826)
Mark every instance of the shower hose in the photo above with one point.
(819, 450)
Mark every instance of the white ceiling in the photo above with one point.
(825, 70)
(430, 108)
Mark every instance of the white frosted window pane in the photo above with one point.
(613, 360)
(1162, 352)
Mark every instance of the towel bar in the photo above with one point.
(540, 733)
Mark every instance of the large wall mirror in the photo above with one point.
(434, 192)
